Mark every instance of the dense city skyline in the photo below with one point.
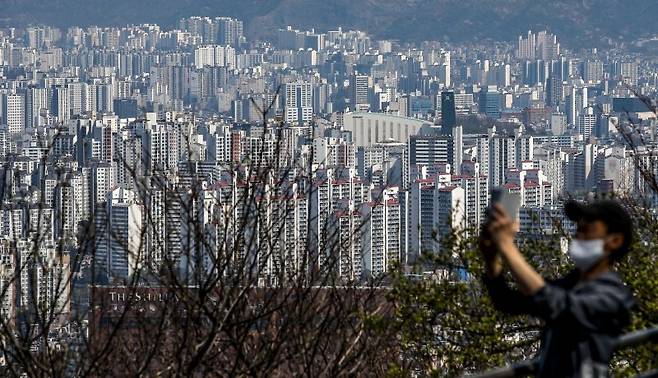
(372, 107)
(167, 158)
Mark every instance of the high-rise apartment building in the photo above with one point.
(445, 68)
(592, 71)
(558, 123)
(587, 121)
(490, 101)
(36, 107)
(448, 111)
(299, 103)
(431, 149)
(576, 102)
(214, 56)
(13, 112)
(526, 46)
(60, 103)
(449, 214)
(360, 92)
(626, 71)
(542, 45)
(381, 235)
(548, 47)
(229, 31)
(120, 240)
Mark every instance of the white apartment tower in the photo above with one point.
(381, 235)
(587, 122)
(299, 103)
(120, 241)
(449, 213)
(13, 111)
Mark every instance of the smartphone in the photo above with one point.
(510, 202)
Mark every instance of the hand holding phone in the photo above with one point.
(510, 202)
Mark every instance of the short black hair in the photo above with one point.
(610, 212)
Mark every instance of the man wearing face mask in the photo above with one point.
(585, 311)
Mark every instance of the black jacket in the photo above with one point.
(582, 321)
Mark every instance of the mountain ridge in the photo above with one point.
(586, 22)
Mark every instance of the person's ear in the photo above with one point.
(615, 241)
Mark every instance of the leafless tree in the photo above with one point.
(224, 280)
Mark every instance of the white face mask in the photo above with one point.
(586, 253)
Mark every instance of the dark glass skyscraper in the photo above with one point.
(448, 114)
(126, 108)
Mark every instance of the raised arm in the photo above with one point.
(503, 230)
(503, 297)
